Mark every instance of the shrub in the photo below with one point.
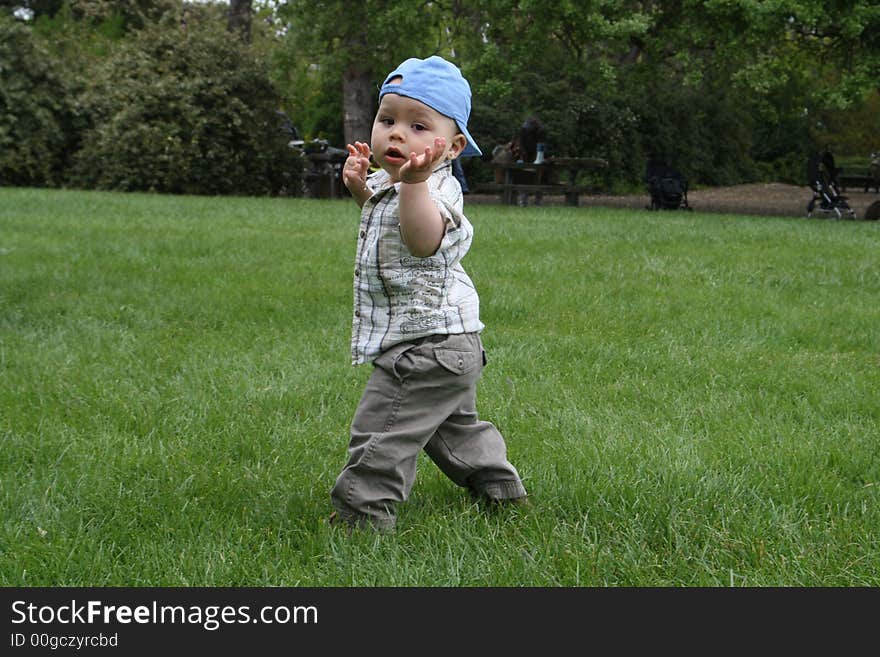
(184, 110)
(35, 113)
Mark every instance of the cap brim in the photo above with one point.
(471, 150)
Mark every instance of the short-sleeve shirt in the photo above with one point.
(399, 297)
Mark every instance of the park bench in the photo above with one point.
(544, 174)
(859, 181)
(509, 192)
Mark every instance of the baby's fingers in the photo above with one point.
(359, 150)
(418, 161)
(425, 160)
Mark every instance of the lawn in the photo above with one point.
(692, 399)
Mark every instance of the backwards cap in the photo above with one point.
(439, 85)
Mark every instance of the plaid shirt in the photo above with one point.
(397, 296)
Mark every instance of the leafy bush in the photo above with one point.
(184, 110)
(35, 114)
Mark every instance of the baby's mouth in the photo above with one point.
(394, 156)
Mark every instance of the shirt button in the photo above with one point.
(357, 313)
(357, 272)
(363, 234)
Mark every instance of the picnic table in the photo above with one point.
(565, 169)
(866, 181)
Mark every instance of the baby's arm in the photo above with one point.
(421, 224)
(354, 173)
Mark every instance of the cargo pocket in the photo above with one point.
(457, 361)
(390, 359)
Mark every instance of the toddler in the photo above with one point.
(416, 312)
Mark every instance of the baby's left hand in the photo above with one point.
(420, 167)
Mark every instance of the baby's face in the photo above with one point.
(404, 126)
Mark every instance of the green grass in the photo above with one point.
(691, 399)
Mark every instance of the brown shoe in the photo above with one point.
(495, 503)
(523, 501)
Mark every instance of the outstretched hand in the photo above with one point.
(419, 167)
(354, 173)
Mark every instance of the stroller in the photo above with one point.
(873, 173)
(322, 177)
(822, 178)
(667, 187)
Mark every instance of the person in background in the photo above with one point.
(528, 147)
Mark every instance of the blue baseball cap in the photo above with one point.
(438, 84)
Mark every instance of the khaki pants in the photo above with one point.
(421, 395)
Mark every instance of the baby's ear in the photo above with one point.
(459, 142)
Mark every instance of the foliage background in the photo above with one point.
(148, 96)
(158, 95)
(35, 112)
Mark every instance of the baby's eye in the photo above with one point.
(418, 127)
(386, 121)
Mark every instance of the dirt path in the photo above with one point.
(774, 199)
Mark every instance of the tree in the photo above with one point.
(351, 46)
(31, 9)
(559, 61)
(786, 63)
(239, 21)
(762, 45)
(702, 78)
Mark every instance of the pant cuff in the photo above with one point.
(500, 490)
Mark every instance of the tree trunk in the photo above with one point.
(358, 105)
(239, 18)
